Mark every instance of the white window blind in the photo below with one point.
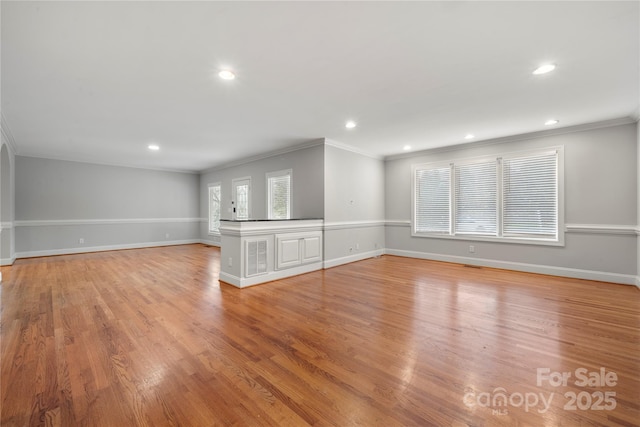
(515, 197)
(214, 208)
(530, 186)
(433, 200)
(279, 195)
(476, 198)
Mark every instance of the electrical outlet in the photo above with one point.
(166, 236)
(357, 246)
(230, 262)
(81, 240)
(472, 249)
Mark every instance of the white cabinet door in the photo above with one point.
(288, 252)
(312, 249)
(298, 248)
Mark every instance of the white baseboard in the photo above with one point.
(70, 251)
(600, 276)
(210, 242)
(240, 282)
(7, 261)
(352, 258)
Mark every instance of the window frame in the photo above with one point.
(499, 237)
(210, 186)
(278, 174)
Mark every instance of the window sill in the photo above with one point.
(479, 238)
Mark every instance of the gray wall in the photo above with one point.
(307, 185)
(354, 207)
(601, 189)
(60, 202)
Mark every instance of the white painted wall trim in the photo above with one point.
(569, 228)
(70, 251)
(259, 228)
(343, 225)
(210, 242)
(352, 149)
(601, 276)
(6, 225)
(7, 261)
(601, 229)
(59, 222)
(268, 277)
(352, 258)
(36, 155)
(303, 146)
(514, 138)
(398, 223)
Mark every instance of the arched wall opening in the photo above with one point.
(6, 207)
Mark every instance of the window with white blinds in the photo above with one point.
(279, 195)
(530, 187)
(476, 198)
(433, 200)
(514, 197)
(214, 207)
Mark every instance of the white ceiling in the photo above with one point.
(99, 81)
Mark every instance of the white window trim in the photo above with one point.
(268, 192)
(209, 186)
(560, 241)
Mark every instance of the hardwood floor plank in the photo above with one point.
(149, 337)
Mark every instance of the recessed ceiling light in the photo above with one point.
(154, 147)
(226, 75)
(551, 122)
(350, 124)
(406, 148)
(545, 68)
(469, 136)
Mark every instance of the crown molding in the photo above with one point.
(297, 147)
(516, 138)
(6, 133)
(352, 149)
(116, 165)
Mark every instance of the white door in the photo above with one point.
(241, 198)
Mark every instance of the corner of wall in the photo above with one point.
(638, 197)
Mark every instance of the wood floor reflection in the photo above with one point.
(149, 337)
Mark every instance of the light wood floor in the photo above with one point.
(149, 337)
